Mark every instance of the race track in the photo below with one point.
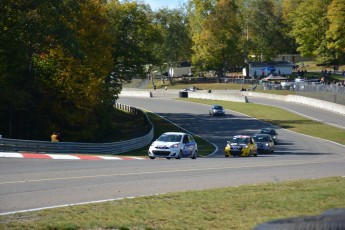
(38, 183)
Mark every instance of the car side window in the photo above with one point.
(185, 139)
(190, 138)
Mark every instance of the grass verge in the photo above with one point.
(281, 118)
(238, 208)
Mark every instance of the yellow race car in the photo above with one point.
(241, 145)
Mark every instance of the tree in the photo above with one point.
(133, 39)
(265, 29)
(73, 69)
(175, 44)
(336, 31)
(17, 43)
(309, 28)
(220, 38)
(198, 11)
(57, 59)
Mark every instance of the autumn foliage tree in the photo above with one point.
(56, 56)
(219, 41)
(63, 63)
(174, 43)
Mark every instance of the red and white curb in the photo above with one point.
(64, 156)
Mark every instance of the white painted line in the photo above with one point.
(62, 157)
(110, 158)
(11, 154)
(138, 158)
(75, 204)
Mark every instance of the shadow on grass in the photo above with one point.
(291, 124)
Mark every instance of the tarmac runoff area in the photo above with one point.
(26, 155)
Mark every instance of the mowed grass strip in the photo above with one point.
(281, 118)
(238, 208)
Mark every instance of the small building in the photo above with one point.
(256, 69)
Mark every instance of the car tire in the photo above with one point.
(152, 158)
(195, 154)
(179, 156)
(168, 158)
(226, 155)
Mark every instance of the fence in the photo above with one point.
(327, 92)
(77, 147)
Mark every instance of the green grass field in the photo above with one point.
(236, 208)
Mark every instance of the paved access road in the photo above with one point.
(36, 183)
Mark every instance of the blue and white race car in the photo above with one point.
(174, 145)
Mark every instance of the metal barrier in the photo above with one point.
(327, 92)
(15, 145)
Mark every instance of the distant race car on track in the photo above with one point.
(216, 110)
(271, 132)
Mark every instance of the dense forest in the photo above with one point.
(63, 63)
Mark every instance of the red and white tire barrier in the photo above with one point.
(65, 156)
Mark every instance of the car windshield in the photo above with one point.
(239, 140)
(268, 131)
(261, 138)
(218, 107)
(170, 138)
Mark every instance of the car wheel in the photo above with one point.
(168, 158)
(179, 156)
(152, 158)
(195, 154)
(227, 155)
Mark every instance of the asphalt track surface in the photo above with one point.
(27, 184)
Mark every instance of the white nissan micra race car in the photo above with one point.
(174, 145)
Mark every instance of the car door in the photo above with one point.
(253, 145)
(271, 143)
(189, 145)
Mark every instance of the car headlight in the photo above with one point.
(266, 144)
(174, 146)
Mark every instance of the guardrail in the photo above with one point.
(15, 145)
